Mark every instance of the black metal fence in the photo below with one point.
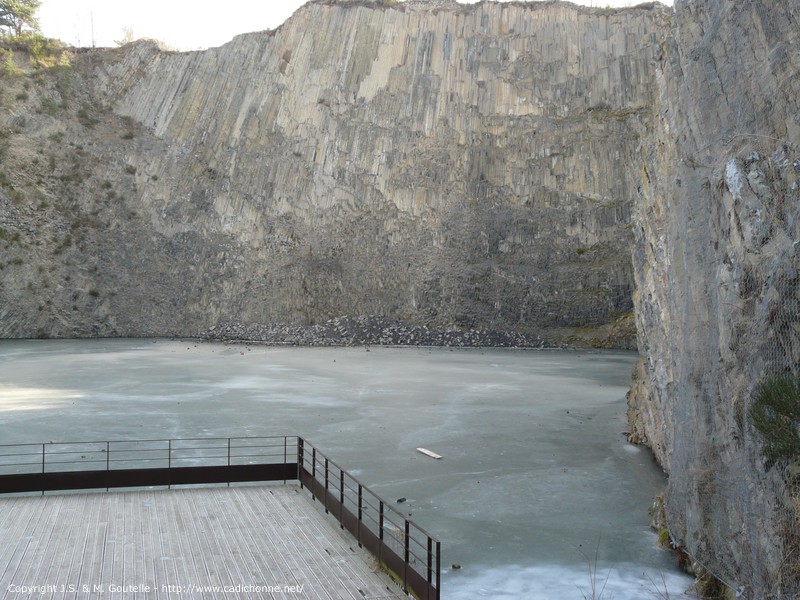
(409, 553)
(135, 463)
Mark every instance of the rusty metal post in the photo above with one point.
(43, 467)
(438, 569)
(341, 486)
(360, 512)
(380, 532)
(326, 485)
(169, 462)
(430, 562)
(300, 460)
(229, 458)
(406, 532)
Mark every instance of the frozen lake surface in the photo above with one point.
(537, 479)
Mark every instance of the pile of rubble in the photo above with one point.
(366, 331)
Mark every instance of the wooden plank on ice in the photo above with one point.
(429, 453)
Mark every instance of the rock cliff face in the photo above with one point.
(718, 296)
(449, 165)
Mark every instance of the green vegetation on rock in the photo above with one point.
(775, 413)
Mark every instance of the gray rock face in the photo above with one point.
(717, 299)
(434, 163)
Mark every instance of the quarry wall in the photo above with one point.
(483, 166)
(458, 166)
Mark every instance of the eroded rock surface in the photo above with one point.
(455, 166)
(717, 271)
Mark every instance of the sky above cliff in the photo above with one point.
(181, 24)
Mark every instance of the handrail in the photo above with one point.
(407, 551)
(83, 453)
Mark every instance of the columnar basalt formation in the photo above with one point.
(435, 163)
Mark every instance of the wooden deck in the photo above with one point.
(237, 542)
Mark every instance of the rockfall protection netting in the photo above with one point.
(744, 470)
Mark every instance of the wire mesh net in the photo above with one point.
(743, 467)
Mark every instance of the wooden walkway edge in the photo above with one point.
(221, 542)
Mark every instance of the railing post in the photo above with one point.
(284, 460)
(430, 565)
(380, 532)
(406, 532)
(229, 461)
(108, 461)
(326, 485)
(43, 468)
(438, 569)
(360, 512)
(341, 498)
(300, 460)
(169, 463)
(314, 473)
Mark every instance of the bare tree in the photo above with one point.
(127, 37)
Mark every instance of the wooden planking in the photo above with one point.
(175, 543)
(320, 543)
(255, 550)
(429, 453)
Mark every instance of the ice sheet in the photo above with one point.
(536, 474)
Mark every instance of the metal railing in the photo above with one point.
(136, 463)
(403, 548)
(410, 554)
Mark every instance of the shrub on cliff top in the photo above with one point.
(775, 413)
(44, 52)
